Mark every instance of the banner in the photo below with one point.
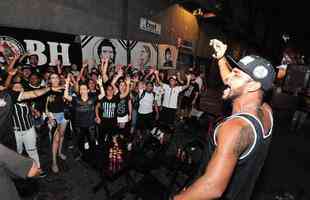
(167, 56)
(93, 47)
(48, 46)
(143, 54)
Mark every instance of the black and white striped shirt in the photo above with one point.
(22, 117)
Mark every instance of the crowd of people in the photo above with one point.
(97, 104)
(109, 102)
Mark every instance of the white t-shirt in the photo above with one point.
(171, 96)
(146, 103)
(159, 91)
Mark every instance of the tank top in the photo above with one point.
(250, 162)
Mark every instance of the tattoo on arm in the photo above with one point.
(260, 114)
(245, 138)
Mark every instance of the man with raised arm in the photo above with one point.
(239, 145)
(12, 164)
(8, 98)
(170, 99)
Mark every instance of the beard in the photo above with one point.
(231, 94)
(226, 93)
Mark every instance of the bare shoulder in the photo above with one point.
(267, 107)
(235, 135)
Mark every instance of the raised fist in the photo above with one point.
(219, 48)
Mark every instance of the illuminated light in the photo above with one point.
(209, 15)
(198, 12)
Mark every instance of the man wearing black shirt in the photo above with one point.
(26, 72)
(37, 104)
(189, 99)
(239, 145)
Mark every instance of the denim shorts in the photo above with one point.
(59, 117)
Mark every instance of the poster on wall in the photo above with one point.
(143, 54)
(94, 47)
(184, 59)
(47, 46)
(167, 56)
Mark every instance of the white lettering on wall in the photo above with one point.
(36, 47)
(63, 52)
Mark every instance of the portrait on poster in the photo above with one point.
(167, 57)
(143, 54)
(93, 48)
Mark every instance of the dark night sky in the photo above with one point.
(261, 23)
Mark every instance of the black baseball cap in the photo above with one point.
(259, 69)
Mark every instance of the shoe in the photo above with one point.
(55, 169)
(42, 174)
(62, 156)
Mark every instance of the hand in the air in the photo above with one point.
(219, 48)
